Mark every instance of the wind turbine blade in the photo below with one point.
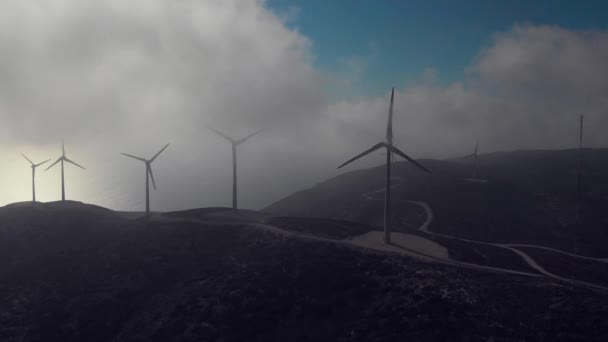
(476, 146)
(74, 163)
(403, 155)
(151, 176)
(220, 134)
(248, 137)
(134, 157)
(389, 127)
(28, 159)
(468, 156)
(57, 161)
(159, 152)
(62, 148)
(41, 163)
(368, 151)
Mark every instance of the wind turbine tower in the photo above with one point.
(34, 166)
(390, 149)
(234, 144)
(149, 175)
(579, 176)
(63, 159)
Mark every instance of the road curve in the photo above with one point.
(604, 260)
(392, 249)
(424, 228)
(511, 247)
(529, 260)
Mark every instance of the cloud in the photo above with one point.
(547, 60)
(115, 75)
(526, 90)
(128, 76)
(111, 67)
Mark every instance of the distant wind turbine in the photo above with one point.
(234, 143)
(475, 157)
(34, 166)
(62, 159)
(390, 149)
(149, 174)
(579, 176)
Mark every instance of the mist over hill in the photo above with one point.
(526, 197)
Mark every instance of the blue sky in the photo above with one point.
(398, 39)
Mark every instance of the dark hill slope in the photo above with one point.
(529, 197)
(81, 273)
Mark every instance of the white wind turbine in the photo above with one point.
(149, 174)
(579, 175)
(475, 157)
(34, 166)
(234, 144)
(390, 149)
(63, 159)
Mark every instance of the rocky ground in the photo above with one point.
(568, 267)
(82, 273)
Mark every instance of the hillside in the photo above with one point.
(75, 272)
(526, 197)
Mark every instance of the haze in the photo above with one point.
(129, 76)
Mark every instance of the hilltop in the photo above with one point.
(526, 197)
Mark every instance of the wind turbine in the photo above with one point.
(34, 166)
(234, 143)
(149, 174)
(579, 176)
(390, 149)
(475, 157)
(62, 159)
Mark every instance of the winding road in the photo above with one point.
(529, 260)
(424, 228)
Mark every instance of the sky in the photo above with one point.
(111, 76)
(394, 40)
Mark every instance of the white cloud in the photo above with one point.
(112, 76)
(130, 75)
(109, 66)
(526, 90)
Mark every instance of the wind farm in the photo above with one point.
(213, 250)
(352, 172)
(387, 218)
